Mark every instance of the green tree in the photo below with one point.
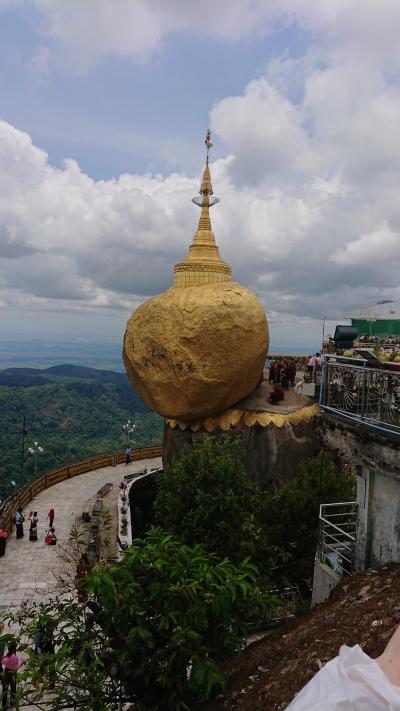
(161, 621)
(71, 417)
(206, 497)
(290, 516)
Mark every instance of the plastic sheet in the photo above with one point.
(350, 682)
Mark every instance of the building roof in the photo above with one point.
(386, 309)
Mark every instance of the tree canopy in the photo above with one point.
(206, 497)
(153, 631)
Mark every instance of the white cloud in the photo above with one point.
(264, 131)
(380, 245)
(309, 216)
(80, 34)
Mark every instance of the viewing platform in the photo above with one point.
(29, 570)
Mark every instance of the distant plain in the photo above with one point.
(93, 354)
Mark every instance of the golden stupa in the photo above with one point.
(199, 347)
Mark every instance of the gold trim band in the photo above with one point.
(234, 418)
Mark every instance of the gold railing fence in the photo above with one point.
(26, 493)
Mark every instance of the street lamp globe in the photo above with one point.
(128, 428)
(34, 451)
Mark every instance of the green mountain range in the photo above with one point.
(73, 412)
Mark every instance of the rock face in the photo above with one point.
(272, 453)
(193, 352)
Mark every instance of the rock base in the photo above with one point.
(274, 447)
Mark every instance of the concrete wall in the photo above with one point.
(376, 460)
(324, 580)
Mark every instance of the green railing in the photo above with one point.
(26, 493)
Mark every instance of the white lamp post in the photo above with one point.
(128, 428)
(34, 451)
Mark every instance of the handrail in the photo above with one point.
(26, 493)
(361, 394)
(341, 530)
(337, 543)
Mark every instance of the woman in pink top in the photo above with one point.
(10, 664)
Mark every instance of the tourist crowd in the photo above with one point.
(282, 374)
(50, 535)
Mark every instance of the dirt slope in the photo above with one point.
(363, 609)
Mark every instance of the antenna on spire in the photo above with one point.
(206, 199)
(208, 142)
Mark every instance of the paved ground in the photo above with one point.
(258, 400)
(27, 571)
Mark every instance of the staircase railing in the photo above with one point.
(337, 536)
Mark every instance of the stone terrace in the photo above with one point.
(28, 570)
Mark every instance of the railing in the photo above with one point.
(370, 396)
(25, 494)
(337, 536)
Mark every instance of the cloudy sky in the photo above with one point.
(103, 110)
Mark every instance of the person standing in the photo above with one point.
(272, 372)
(33, 527)
(19, 523)
(2, 652)
(285, 376)
(10, 664)
(128, 453)
(292, 371)
(50, 516)
(311, 364)
(44, 645)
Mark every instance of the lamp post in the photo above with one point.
(34, 451)
(323, 319)
(371, 321)
(128, 428)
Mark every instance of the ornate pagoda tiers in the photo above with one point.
(199, 347)
(203, 264)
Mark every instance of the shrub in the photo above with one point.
(162, 619)
(206, 497)
(291, 515)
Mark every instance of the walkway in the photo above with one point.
(28, 570)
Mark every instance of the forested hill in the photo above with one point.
(25, 377)
(72, 411)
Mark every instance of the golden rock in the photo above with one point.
(192, 352)
(199, 347)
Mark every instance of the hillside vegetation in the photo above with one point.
(72, 411)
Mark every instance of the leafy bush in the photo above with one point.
(162, 619)
(290, 516)
(206, 497)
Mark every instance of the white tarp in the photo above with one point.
(350, 682)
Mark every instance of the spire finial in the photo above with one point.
(206, 189)
(208, 143)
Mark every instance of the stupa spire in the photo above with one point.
(203, 264)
